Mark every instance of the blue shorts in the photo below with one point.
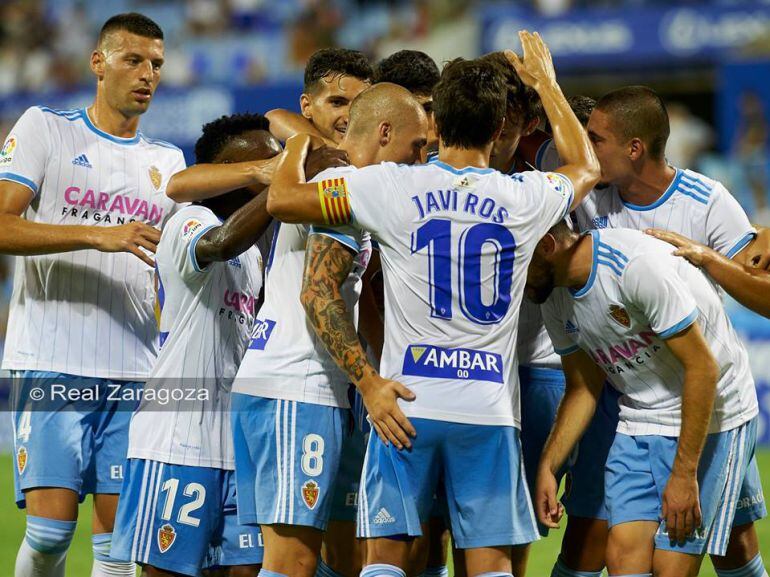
(477, 468)
(541, 393)
(73, 445)
(182, 519)
(584, 486)
(638, 468)
(345, 498)
(751, 502)
(287, 455)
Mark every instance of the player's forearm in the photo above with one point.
(290, 199)
(572, 143)
(203, 181)
(284, 124)
(698, 394)
(238, 233)
(19, 236)
(575, 412)
(749, 286)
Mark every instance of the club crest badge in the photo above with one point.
(166, 537)
(155, 176)
(620, 316)
(21, 459)
(310, 493)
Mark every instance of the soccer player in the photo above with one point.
(750, 286)
(290, 402)
(454, 237)
(333, 78)
(629, 129)
(82, 192)
(177, 509)
(625, 308)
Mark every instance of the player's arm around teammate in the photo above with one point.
(748, 285)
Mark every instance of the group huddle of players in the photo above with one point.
(393, 386)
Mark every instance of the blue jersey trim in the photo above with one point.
(193, 244)
(680, 326)
(110, 137)
(540, 152)
(741, 244)
(594, 264)
(344, 239)
(465, 170)
(72, 114)
(273, 242)
(162, 143)
(694, 196)
(696, 185)
(567, 351)
(666, 195)
(19, 179)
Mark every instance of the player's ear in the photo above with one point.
(635, 149)
(530, 127)
(304, 106)
(97, 63)
(547, 246)
(385, 133)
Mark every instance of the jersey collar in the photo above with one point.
(116, 139)
(577, 293)
(666, 195)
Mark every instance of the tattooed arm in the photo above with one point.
(327, 265)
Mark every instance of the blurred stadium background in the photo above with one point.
(710, 60)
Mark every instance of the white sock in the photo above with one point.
(106, 566)
(754, 568)
(43, 551)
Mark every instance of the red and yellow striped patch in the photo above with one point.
(335, 205)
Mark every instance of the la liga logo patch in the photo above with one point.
(6, 153)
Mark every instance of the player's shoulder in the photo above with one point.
(335, 172)
(697, 187)
(158, 143)
(161, 150)
(64, 115)
(190, 219)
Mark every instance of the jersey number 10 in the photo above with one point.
(436, 235)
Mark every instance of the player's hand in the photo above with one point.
(549, 510)
(535, 67)
(322, 158)
(131, 237)
(681, 506)
(694, 252)
(380, 398)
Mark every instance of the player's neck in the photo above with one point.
(462, 157)
(648, 185)
(574, 267)
(111, 121)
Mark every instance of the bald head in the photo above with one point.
(384, 102)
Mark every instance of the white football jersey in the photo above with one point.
(206, 317)
(86, 312)
(638, 294)
(455, 246)
(693, 205)
(286, 359)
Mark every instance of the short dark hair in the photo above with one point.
(412, 69)
(337, 61)
(638, 112)
(217, 134)
(582, 106)
(134, 23)
(522, 102)
(469, 103)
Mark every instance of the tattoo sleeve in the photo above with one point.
(327, 265)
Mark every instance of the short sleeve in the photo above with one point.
(559, 328)
(652, 285)
(25, 151)
(547, 157)
(184, 235)
(178, 165)
(346, 235)
(550, 194)
(372, 195)
(728, 229)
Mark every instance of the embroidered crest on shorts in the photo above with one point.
(21, 459)
(310, 493)
(620, 316)
(166, 537)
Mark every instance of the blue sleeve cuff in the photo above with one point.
(193, 244)
(567, 351)
(741, 244)
(20, 180)
(540, 153)
(344, 239)
(680, 326)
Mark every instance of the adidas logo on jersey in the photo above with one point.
(82, 160)
(383, 517)
(570, 328)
